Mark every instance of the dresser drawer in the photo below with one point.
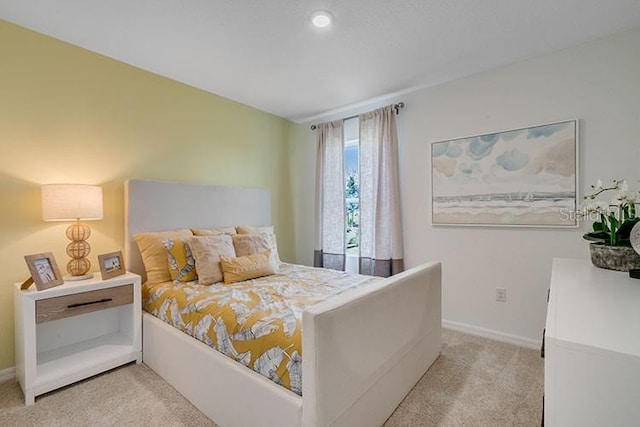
(72, 305)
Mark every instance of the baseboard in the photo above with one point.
(7, 374)
(491, 334)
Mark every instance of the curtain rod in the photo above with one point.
(396, 107)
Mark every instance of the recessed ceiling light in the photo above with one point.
(321, 19)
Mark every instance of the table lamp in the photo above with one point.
(74, 202)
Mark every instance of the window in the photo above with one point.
(352, 185)
(358, 227)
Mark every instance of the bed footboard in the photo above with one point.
(366, 349)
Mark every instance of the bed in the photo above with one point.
(364, 349)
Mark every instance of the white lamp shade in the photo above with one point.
(68, 202)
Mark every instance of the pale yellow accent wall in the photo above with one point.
(68, 115)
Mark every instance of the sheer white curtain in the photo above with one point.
(330, 206)
(381, 252)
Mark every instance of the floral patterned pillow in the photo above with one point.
(182, 266)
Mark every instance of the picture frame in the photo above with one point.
(44, 270)
(525, 177)
(111, 265)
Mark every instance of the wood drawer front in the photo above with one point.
(85, 302)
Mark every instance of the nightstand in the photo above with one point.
(73, 331)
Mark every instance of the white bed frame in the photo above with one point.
(363, 350)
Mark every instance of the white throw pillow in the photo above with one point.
(273, 246)
(207, 251)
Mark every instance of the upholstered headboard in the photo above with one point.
(161, 206)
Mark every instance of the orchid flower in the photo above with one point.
(615, 218)
(599, 206)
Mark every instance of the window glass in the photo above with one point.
(352, 185)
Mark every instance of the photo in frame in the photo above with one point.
(523, 177)
(111, 265)
(44, 270)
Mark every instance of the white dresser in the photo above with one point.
(592, 347)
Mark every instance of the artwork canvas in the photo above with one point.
(521, 177)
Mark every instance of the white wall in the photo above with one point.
(597, 82)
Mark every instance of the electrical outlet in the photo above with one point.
(501, 295)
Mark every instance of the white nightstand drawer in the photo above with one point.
(85, 302)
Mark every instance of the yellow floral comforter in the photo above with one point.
(257, 322)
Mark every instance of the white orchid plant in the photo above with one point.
(615, 218)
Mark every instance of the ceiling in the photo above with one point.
(267, 55)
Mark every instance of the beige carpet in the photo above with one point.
(475, 382)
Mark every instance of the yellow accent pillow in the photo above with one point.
(207, 251)
(247, 267)
(273, 245)
(213, 231)
(182, 266)
(154, 255)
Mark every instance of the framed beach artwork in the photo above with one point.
(522, 177)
